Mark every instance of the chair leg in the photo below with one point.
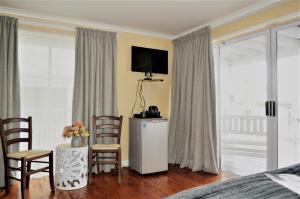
(51, 178)
(23, 177)
(90, 165)
(28, 177)
(7, 179)
(97, 162)
(116, 165)
(119, 165)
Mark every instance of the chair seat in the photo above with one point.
(105, 146)
(28, 154)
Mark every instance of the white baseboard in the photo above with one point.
(125, 163)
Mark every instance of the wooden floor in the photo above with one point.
(133, 185)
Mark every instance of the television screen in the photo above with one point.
(149, 60)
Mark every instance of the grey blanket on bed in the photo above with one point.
(247, 187)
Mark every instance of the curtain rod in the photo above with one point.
(43, 25)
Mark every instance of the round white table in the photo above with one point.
(71, 167)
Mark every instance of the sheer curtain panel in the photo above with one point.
(9, 76)
(47, 64)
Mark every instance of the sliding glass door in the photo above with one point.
(243, 92)
(259, 100)
(288, 91)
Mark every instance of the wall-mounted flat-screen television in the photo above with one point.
(149, 60)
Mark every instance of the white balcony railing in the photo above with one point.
(243, 143)
(245, 125)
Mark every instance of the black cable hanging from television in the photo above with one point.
(139, 94)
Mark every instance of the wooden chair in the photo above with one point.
(26, 157)
(110, 126)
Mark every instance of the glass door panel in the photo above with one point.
(243, 93)
(288, 77)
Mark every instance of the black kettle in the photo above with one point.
(153, 112)
(152, 109)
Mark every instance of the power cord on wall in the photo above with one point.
(139, 94)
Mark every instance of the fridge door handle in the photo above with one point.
(156, 121)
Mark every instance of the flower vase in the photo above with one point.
(76, 142)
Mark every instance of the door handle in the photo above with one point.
(273, 106)
(267, 108)
(270, 107)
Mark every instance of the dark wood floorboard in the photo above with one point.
(133, 186)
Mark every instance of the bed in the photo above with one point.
(247, 187)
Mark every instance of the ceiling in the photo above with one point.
(164, 17)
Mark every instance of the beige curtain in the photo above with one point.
(95, 76)
(9, 76)
(192, 134)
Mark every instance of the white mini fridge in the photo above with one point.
(148, 145)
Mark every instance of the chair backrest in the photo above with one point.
(107, 126)
(7, 131)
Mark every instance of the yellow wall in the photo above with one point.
(279, 10)
(159, 92)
